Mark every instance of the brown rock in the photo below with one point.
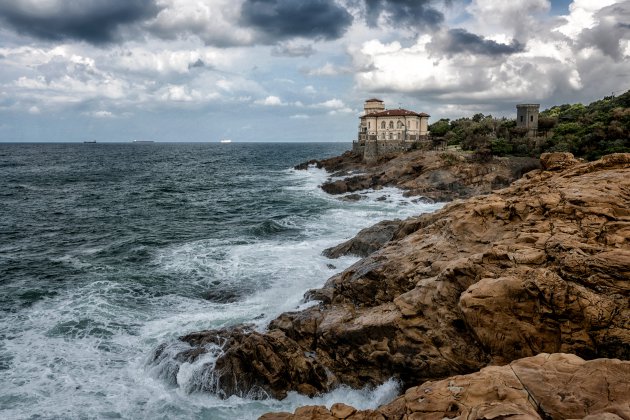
(342, 411)
(441, 176)
(540, 266)
(366, 241)
(557, 161)
(547, 386)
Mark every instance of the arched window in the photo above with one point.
(399, 125)
(369, 124)
(390, 134)
(391, 125)
(383, 125)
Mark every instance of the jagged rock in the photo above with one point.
(366, 241)
(557, 161)
(540, 266)
(547, 386)
(440, 176)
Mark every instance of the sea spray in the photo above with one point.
(112, 250)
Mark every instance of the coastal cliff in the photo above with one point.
(436, 175)
(541, 266)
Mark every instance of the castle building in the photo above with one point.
(527, 117)
(391, 125)
(383, 131)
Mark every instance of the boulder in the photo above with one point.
(366, 241)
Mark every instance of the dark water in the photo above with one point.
(107, 250)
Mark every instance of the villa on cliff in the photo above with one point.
(383, 131)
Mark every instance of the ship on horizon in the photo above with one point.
(225, 141)
(143, 141)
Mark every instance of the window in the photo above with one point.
(522, 118)
(531, 118)
(399, 125)
(383, 125)
(368, 124)
(391, 125)
(390, 135)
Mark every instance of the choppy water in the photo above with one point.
(108, 250)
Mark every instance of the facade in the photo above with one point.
(527, 117)
(393, 125)
(384, 131)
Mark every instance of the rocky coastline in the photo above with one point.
(525, 282)
(434, 175)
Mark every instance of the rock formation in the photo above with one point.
(557, 386)
(441, 176)
(540, 266)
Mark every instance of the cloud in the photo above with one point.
(100, 114)
(284, 19)
(517, 19)
(327, 69)
(292, 49)
(299, 117)
(461, 41)
(214, 22)
(608, 33)
(416, 14)
(93, 21)
(466, 78)
(271, 101)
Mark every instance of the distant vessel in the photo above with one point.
(143, 141)
(226, 141)
(90, 141)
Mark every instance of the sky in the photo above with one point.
(293, 70)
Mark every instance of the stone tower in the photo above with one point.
(373, 105)
(527, 117)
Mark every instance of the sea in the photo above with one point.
(109, 250)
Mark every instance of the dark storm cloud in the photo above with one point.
(94, 21)
(283, 19)
(462, 41)
(406, 13)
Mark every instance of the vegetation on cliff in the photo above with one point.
(589, 132)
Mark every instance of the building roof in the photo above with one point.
(373, 100)
(396, 113)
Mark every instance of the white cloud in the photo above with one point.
(328, 69)
(34, 110)
(299, 117)
(271, 101)
(100, 114)
(582, 16)
(215, 22)
(331, 103)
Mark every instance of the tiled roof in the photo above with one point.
(373, 100)
(396, 113)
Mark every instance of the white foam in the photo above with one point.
(83, 352)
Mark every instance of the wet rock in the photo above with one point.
(366, 241)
